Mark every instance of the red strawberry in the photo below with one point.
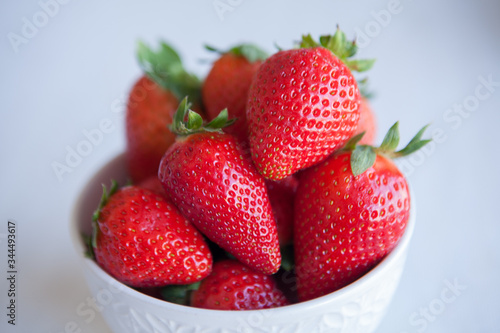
(148, 137)
(227, 83)
(351, 211)
(303, 105)
(233, 286)
(367, 123)
(142, 240)
(213, 182)
(282, 195)
(151, 105)
(153, 183)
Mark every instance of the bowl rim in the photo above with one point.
(337, 295)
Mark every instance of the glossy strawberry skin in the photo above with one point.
(345, 225)
(226, 86)
(143, 241)
(282, 196)
(213, 182)
(302, 106)
(149, 112)
(234, 286)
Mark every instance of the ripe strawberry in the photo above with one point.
(367, 123)
(227, 83)
(351, 210)
(234, 286)
(152, 183)
(303, 105)
(214, 184)
(282, 195)
(147, 120)
(142, 240)
(151, 105)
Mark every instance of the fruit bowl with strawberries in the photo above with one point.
(358, 307)
(276, 214)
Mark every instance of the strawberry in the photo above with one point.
(350, 212)
(152, 102)
(367, 123)
(367, 118)
(303, 105)
(148, 137)
(152, 183)
(213, 182)
(142, 240)
(282, 195)
(227, 83)
(234, 286)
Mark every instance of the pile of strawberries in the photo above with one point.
(256, 187)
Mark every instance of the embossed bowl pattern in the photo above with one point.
(358, 307)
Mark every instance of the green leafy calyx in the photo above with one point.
(187, 121)
(363, 156)
(287, 257)
(251, 52)
(164, 66)
(341, 47)
(92, 240)
(179, 294)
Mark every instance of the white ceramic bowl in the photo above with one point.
(358, 307)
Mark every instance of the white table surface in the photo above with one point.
(67, 75)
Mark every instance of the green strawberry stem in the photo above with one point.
(165, 67)
(179, 294)
(287, 257)
(341, 47)
(92, 240)
(251, 52)
(363, 156)
(87, 240)
(187, 121)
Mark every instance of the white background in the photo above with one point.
(73, 71)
